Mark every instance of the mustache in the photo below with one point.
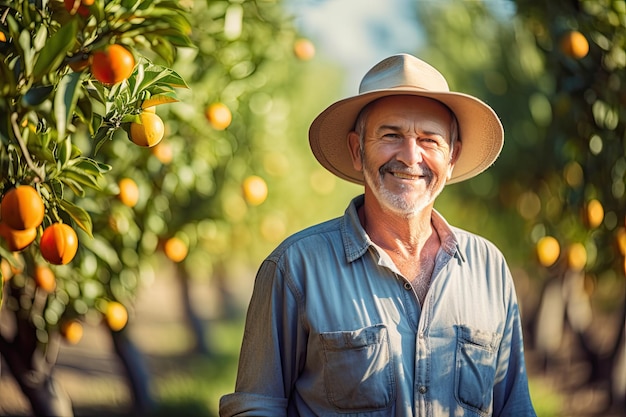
(397, 166)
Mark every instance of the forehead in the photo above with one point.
(410, 109)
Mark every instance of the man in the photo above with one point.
(388, 310)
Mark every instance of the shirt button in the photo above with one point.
(407, 286)
(422, 389)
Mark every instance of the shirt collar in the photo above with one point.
(356, 241)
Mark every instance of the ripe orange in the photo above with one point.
(163, 152)
(149, 131)
(594, 213)
(17, 240)
(3, 37)
(58, 244)
(548, 250)
(574, 44)
(129, 192)
(112, 65)
(22, 208)
(577, 256)
(254, 190)
(72, 331)
(45, 279)
(175, 249)
(219, 116)
(304, 49)
(116, 316)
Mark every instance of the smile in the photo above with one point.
(403, 175)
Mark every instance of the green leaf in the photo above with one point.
(27, 51)
(80, 176)
(55, 49)
(65, 100)
(91, 166)
(79, 215)
(103, 249)
(64, 151)
(36, 95)
(74, 186)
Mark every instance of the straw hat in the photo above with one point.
(480, 129)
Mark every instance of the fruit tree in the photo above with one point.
(76, 77)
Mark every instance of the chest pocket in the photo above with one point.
(476, 356)
(358, 369)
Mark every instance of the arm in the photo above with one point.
(511, 395)
(268, 363)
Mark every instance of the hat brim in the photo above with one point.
(480, 132)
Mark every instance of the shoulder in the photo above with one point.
(316, 237)
(472, 245)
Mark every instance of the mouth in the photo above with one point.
(406, 176)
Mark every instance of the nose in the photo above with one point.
(410, 153)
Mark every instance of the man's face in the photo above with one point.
(406, 157)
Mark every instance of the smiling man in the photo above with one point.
(389, 310)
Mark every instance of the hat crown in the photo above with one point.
(401, 72)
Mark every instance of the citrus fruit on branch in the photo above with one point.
(22, 208)
(112, 65)
(149, 131)
(58, 244)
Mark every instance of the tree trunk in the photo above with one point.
(32, 368)
(196, 325)
(136, 372)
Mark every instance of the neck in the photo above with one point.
(402, 234)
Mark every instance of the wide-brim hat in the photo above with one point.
(480, 129)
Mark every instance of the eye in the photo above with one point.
(391, 137)
(431, 141)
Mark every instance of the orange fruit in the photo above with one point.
(254, 190)
(129, 192)
(149, 131)
(548, 250)
(45, 279)
(58, 244)
(112, 65)
(116, 316)
(3, 37)
(22, 208)
(577, 256)
(175, 249)
(17, 240)
(219, 116)
(574, 44)
(594, 213)
(163, 152)
(72, 331)
(304, 49)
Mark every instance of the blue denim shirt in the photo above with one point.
(333, 329)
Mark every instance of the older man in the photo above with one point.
(389, 310)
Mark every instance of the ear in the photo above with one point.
(354, 146)
(454, 157)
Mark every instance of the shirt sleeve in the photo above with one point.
(511, 394)
(271, 350)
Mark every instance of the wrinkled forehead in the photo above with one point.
(405, 107)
